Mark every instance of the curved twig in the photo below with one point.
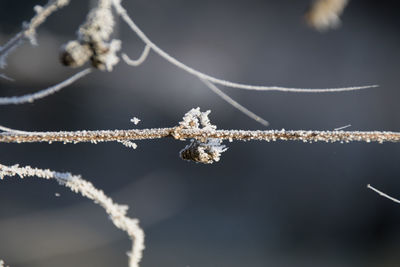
(383, 194)
(29, 98)
(124, 15)
(234, 103)
(116, 212)
(140, 60)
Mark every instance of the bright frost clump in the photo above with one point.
(135, 120)
(195, 118)
(204, 151)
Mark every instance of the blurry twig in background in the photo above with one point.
(325, 14)
(29, 98)
(116, 212)
(234, 103)
(383, 194)
(29, 30)
(93, 44)
(124, 15)
(5, 77)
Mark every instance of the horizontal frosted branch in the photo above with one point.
(201, 134)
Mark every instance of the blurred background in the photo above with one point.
(263, 204)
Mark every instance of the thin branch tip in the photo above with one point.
(383, 194)
(29, 98)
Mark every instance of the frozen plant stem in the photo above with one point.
(199, 134)
(116, 212)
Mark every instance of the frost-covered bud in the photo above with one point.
(203, 152)
(105, 55)
(206, 150)
(98, 26)
(93, 41)
(195, 118)
(74, 54)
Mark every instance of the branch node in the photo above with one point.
(203, 150)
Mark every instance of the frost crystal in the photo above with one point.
(135, 120)
(204, 151)
(195, 118)
(128, 144)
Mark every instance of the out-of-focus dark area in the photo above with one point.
(263, 204)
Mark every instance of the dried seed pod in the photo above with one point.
(325, 14)
(93, 41)
(75, 54)
(207, 153)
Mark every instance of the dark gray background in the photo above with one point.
(263, 204)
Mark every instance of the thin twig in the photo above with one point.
(234, 103)
(29, 98)
(30, 29)
(9, 130)
(201, 134)
(342, 127)
(124, 15)
(383, 194)
(138, 61)
(5, 77)
(116, 212)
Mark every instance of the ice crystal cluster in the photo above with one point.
(204, 150)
